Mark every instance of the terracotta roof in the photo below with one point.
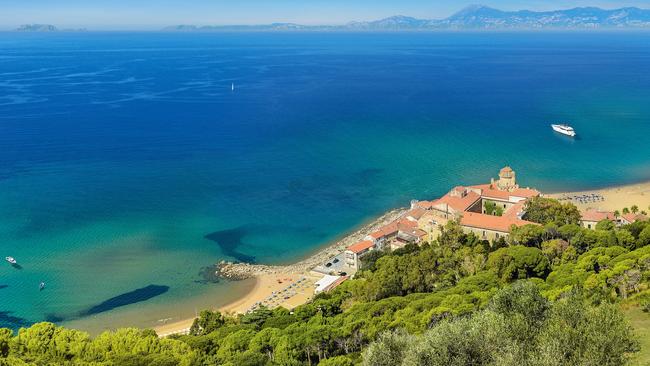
(406, 223)
(416, 213)
(595, 215)
(425, 204)
(490, 222)
(632, 217)
(458, 203)
(487, 190)
(515, 210)
(361, 246)
(385, 231)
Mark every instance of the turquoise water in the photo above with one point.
(128, 166)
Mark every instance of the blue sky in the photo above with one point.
(152, 14)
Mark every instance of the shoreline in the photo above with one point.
(270, 279)
(615, 198)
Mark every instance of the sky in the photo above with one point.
(154, 14)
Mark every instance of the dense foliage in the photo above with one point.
(543, 297)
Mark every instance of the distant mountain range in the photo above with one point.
(475, 17)
(37, 28)
(44, 28)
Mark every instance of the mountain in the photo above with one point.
(473, 18)
(482, 17)
(36, 28)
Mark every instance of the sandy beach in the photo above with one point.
(287, 286)
(293, 285)
(288, 290)
(615, 198)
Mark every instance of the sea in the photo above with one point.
(132, 163)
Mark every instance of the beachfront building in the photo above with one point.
(631, 218)
(593, 216)
(328, 283)
(354, 252)
(487, 210)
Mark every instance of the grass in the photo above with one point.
(641, 323)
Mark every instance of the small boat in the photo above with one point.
(232, 86)
(41, 286)
(11, 260)
(564, 129)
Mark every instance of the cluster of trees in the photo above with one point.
(48, 344)
(518, 327)
(544, 295)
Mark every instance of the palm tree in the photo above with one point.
(644, 213)
(617, 214)
(626, 211)
(634, 209)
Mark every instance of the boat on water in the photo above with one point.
(41, 286)
(11, 260)
(564, 129)
(232, 87)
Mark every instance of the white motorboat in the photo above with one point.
(564, 129)
(11, 260)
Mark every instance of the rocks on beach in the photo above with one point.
(241, 271)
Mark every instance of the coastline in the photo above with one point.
(267, 277)
(614, 197)
(274, 279)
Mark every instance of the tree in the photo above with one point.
(518, 262)
(528, 235)
(644, 237)
(576, 334)
(626, 211)
(634, 209)
(388, 350)
(605, 225)
(547, 210)
(451, 235)
(207, 322)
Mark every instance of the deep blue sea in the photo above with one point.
(128, 165)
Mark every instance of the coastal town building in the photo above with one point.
(631, 218)
(328, 283)
(354, 252)
(593, 216)
(487, 210)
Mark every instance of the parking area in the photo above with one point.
(335, 266)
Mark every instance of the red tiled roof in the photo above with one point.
(487, 190)
(458, 203)
(632, 217)
(361, 246)
(595, 215)
(490, 222)
(385, 231)
(515, 210)
(416, 213)
(425, 204)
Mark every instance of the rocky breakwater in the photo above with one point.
(241, 271)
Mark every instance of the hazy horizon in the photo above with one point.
(152, 15)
